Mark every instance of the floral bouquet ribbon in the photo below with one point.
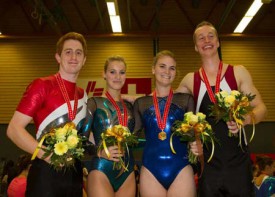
(63, 145)
(234, 106)
(120, 136)
(194, 127)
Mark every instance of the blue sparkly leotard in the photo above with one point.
(102, 116)
(157, 155)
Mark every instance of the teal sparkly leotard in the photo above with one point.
(157, 155)
(102, 116)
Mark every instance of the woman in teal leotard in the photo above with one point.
(105, 112)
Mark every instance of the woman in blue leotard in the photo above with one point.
(163, 173)
(105, 112)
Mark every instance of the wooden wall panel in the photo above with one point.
(22, 60)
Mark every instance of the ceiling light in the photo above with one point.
(111, 8)
(256, 5)
(114, 15)
(115, 22)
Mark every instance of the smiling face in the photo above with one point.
(206, 40)
(115, 75)
(72, 58)
(164, 70)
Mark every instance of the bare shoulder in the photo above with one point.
(240, 70)
(186, 84)
(242, 74)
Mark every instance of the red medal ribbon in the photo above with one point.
(217, 86)
(162, 121)
(121, 121)
(72, 113)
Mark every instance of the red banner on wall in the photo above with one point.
(132, 86)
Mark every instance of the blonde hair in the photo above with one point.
(162, 54)
(113, 58)
(201, 24)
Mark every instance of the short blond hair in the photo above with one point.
(201, 24)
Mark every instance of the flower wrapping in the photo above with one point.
(194, 127)
(123, 138)
(63, 145)
(233, 106)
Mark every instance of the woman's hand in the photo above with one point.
(115, 153)
(196, 147)
(233, 127)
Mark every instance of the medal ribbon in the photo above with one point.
(72, 113)
(217, 86)
(162, 121)
(121, 121)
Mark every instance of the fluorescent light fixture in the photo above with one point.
(116, 25)
(254, 8)
(114, 16)
(111, 8)
(242, 25)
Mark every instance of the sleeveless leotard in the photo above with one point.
(230, 168)
(103, 115)
(157, 155)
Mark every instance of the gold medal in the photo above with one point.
(162, 135)
(162, 121)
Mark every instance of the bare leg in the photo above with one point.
(128, 188)
(98, 185)
(149, 185)
(185, 181)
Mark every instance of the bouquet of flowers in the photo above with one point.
(193, 127)
(120, 136)
(63, 145)
(233, 106)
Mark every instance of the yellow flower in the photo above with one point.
(201, 116)
(229, 100)
(235, 93)
(193, 119)
(223, 94)
(72, 141)
(117, 135)
(244, 102)
(208, 126)
(74, 132)
(193, 127)
(187, 116)
(199, 127)
(61, 134)
(60, 148)
(185, 127)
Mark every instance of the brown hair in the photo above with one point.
(71, 36)
(262, 161)
(162, 54)
(113, 58)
